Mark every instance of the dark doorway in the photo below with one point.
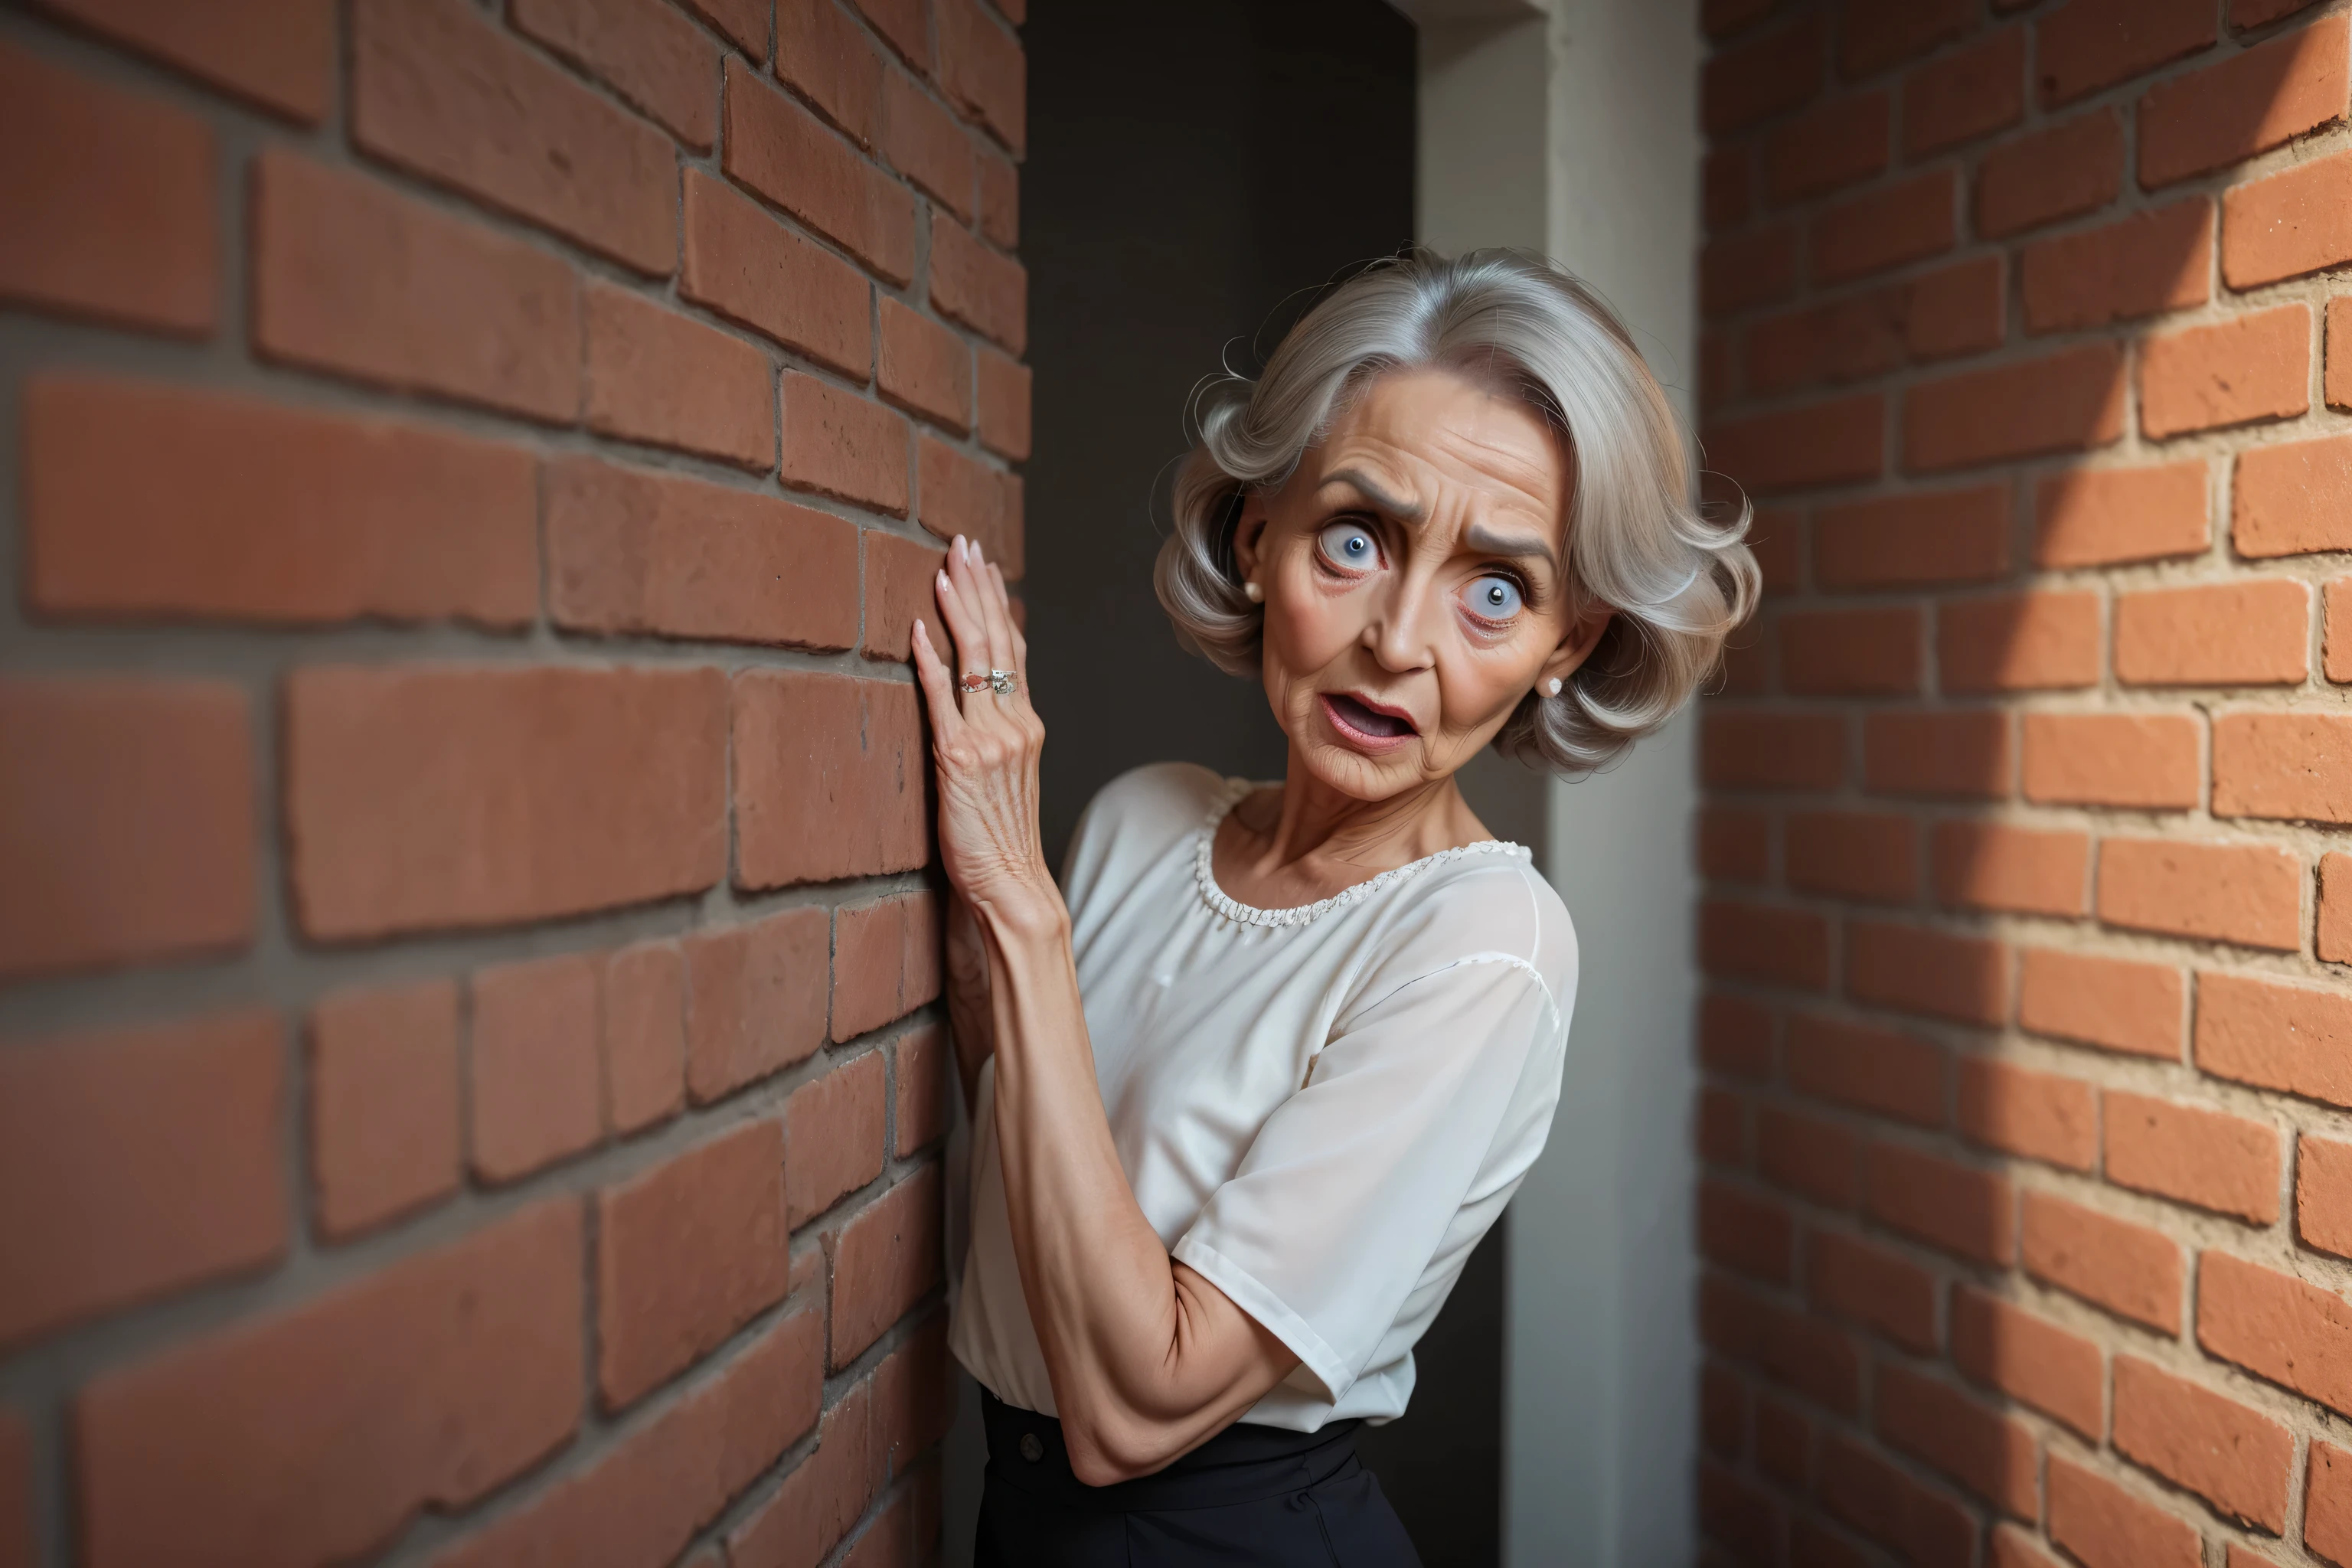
(1198, 170)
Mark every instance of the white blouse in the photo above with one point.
(1319, 1109)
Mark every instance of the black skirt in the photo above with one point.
(1250, 1497)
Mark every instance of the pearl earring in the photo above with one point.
(1553, 685)
(1253, 592)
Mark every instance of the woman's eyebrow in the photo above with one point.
(1408, 512)
(1479, 537)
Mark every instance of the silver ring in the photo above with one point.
(1003, 682)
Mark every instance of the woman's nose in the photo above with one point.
(1398, 635)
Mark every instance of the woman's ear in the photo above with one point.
(1249, 532)
(1576, 645)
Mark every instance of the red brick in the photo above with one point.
(886, 961)
(535, 1084)
(754, 1000)
(350, 278)
(1968, 93)
(821, 1500)
(126, 821)
(2252, 367)
(906, 25)
(405, 791)
(982, 71)
(1904, 222)
(834, 1137)
(2218, 1161)
(633, 552)
(838, 443)
(278, 54)
(1740, 1231)
(2292, 766)
(1861, 855)
(1859, 1487)
(745, 21)
(2245, 893)
(1867, 1069)
(1872, 35)
(2337, 661)
(1810, 1156)
(2275, 1036)
(2323, 1194)
(1740, 86)
(1873, 1286)
(147, 257)
(1734, 1036)
(657, 376)
(899, 577)
(1723, 1410)
(1769, 945)
(1990, 1454)
(1953, 753)
(2101, 1525)
(1916, 970)
(644, 1035)
(1957, 1208)
(982, 289)
(2064, 170)
(2249, 103)
(1771, 750)
(1873, 651)
(884, 1260)
(957, 494)
(1734, 845)
(2326, 1507)
(647, 1496)
(748, 267)
(2253, 14)
(1003, 405)
(1833, 145)
(2147, 263)
(1000, 199)
(2333, 939)
(2018, 642)
(2293, 500)
(2147, 761)
(905, 1530)
(924, 368)
(256, 512)
(2040, 1115)
(1932, 537)
(2012, 1548)
(1727, 186)
(2295, 222)
(384, 1114)
(2065, 402)
(2128, 1269)
(1846, 339)
(2248, 633)
(826, 57)
(2104, 517)
(1987, 865)
(315, 1434)
(687, 1253)
(921, 1064)
(2109, 1002)
(914, 1397)
(1738, 1512)
(2338, 386)
(1743, 269)
(2086, 45)
(136, 1162)
(2028, 1357)
(1818, 1359)
(2276, 1326)
(649, 54)
(787, 155)
(924, 143)
(439, 90)
(1818, 444)
(829, 778)
(1722, 1131)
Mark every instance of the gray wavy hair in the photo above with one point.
(1637, 540)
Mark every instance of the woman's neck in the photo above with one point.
(1316, 840)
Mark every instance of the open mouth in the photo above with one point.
(1354, 714)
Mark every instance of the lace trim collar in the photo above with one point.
(1205, 878)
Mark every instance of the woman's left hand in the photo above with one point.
(985, 744)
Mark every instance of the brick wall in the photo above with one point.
(470, 1080)
(2028, 1039)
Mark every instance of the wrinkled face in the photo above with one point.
(1415, 570)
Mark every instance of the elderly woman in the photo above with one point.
(1251, 1083)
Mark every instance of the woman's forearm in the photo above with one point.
(1148, 1360)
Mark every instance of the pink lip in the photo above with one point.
(1358, 738)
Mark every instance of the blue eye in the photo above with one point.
(1493, 598)
(1349, 544)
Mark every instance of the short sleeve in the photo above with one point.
(1416, 1106)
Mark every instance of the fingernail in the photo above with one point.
(976, 559)
(958, 546)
